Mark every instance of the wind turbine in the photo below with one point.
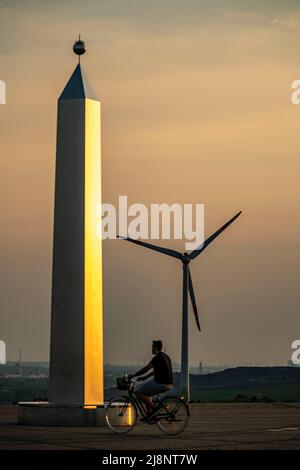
(185, 258)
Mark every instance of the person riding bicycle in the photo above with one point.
(159, 380)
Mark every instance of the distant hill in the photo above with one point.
(246, 377)
(247, 384)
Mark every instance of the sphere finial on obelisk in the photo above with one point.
(79, 48)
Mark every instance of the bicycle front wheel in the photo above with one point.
(121, 415)
(174, 416)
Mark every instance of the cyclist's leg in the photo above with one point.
(147, 400)
(150, 388)
(145, 390)
(163, 395)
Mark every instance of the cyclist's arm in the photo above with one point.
(143, 370)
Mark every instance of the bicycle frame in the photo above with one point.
(137, 402)
(140, 405)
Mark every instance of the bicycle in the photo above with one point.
(121, 415)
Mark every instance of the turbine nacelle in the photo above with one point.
(186, 258)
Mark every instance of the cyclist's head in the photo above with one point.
(156, 346)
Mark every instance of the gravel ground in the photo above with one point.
(212, 426)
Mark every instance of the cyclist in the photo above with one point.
(159, 380)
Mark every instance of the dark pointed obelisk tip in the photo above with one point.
(79, 47)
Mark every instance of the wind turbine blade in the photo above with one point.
(199, 250)
(165, 251)
(193, 300)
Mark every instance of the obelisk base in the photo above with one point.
(49, 414)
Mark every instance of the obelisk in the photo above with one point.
(76, 349)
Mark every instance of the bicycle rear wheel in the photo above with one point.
(121, 415)
(174, 416)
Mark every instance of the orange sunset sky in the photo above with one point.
(196, 107)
